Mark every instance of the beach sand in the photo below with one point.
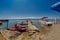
(52, 33)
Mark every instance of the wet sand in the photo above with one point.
(52, 33)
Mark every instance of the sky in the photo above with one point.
(27, 8)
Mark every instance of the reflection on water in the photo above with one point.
(34, 22)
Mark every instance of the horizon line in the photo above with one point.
(29, 18)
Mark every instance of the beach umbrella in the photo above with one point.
(56, 6)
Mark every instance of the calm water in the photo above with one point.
(12, 22)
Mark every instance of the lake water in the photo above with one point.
(35, 22)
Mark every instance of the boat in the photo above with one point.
(45, 22)
(18, 28)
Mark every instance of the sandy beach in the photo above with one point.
(52, 34)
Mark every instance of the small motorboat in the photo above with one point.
(18, 28)
(12, 28)
(45, 22)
